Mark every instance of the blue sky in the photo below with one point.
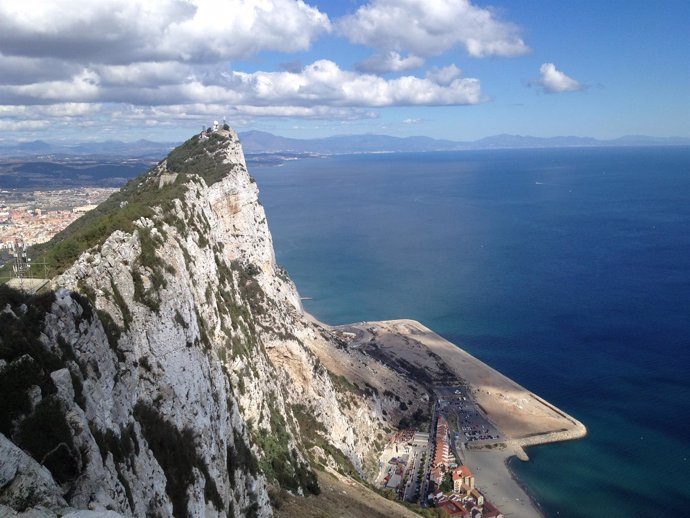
(129, 69)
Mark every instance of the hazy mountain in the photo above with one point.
(262, 142)
(138, 149)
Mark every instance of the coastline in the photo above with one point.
(499, 484)
(523, 418)
(533, 499)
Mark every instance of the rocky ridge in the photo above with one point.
(173, 372)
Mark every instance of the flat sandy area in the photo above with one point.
(521, 415)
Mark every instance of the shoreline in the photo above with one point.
(500, 485)
(533, 499)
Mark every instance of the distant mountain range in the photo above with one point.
(262, 142)
(143, 149)
(259, 142)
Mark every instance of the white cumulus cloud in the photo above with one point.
(554, 81)
(444, 75)
(426, 28)
(389, 61)
(324, 82)
(126, 31)
(165, 61)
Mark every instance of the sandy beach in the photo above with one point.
(498, 485)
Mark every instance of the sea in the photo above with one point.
(566, 269)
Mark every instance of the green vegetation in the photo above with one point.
(342, 384)
(155, 265)
(447, 483)
(120, 302)
(249, 287)
(281, 464)
(453, 420)
(176, 452)
(419, 420)
(201, 156)
(315, 434)
(136, 199)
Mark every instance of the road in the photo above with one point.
(423, 501)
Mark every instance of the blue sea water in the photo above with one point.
(568, 270)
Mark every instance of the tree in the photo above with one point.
(447, 483)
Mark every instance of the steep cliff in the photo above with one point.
(172, 372)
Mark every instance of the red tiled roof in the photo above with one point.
(466, 472)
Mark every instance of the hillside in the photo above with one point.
(168, 374)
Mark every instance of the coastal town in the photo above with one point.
(429, 468)
(36, 216)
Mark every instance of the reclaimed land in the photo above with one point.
(522, 417)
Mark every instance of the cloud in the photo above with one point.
(149, 74)
(426, 28)
(203, 112)
(50, 110)
(23, 125)
(122, 63)
(323, 82)
(412, 121)
(305, 112)
(31, 118)
(444, 75)
(554, 81)
(19, 70)
(390, 61)
(127, 31)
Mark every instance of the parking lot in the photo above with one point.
(467, 421)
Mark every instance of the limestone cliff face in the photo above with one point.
(177, 366)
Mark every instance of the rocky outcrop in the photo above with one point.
(173, 372)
